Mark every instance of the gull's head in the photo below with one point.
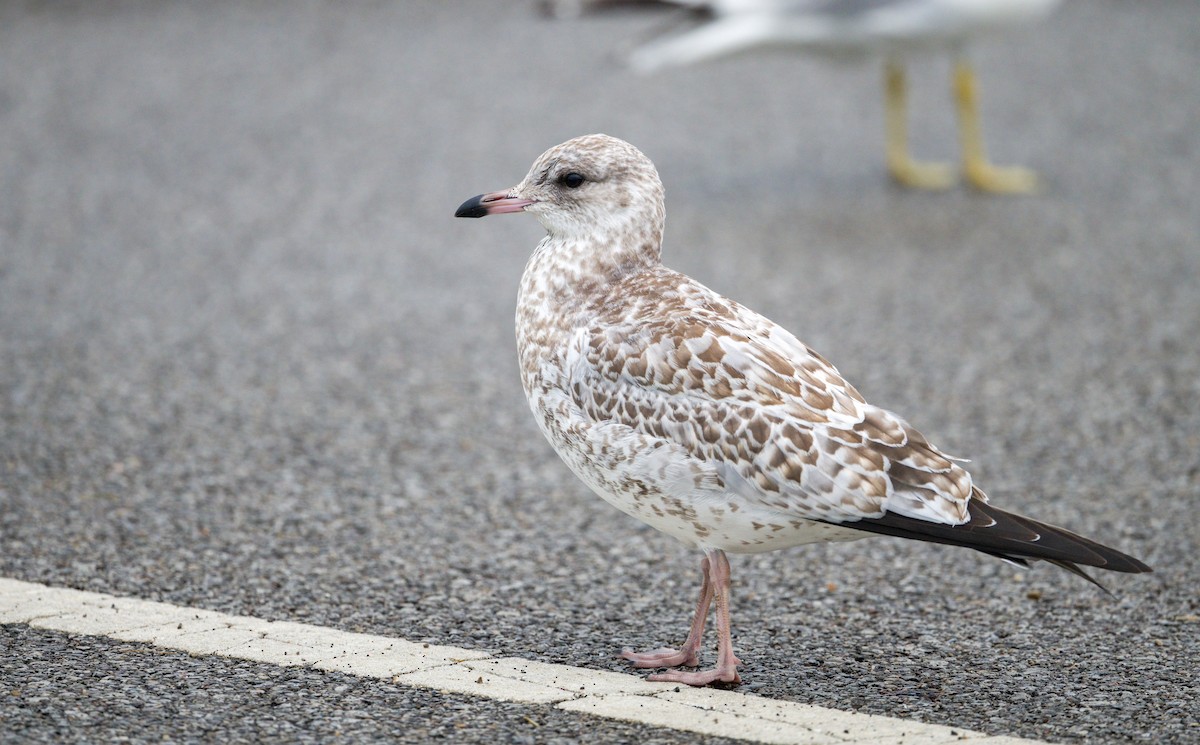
(591, 185)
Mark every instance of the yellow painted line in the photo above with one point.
(630, 698)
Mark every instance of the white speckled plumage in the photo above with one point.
(669, 400)
(705, 419)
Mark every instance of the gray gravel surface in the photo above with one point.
(249, 362)
(103, 691)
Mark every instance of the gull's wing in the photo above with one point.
(832, 26)
(674, 360)
(780, 427)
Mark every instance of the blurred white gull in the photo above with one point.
(892, 29)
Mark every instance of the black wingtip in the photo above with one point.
(1073, 569)
(1009, 536)
(473, 207)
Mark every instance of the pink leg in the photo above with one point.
(716, 585)
(689, 654)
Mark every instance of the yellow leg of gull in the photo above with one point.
(901, 165)
(979, 172)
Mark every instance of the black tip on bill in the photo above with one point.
(473, 207)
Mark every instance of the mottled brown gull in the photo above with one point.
(706, 420)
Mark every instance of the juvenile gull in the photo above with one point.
(706, 420)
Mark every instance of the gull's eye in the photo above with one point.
(572, 180)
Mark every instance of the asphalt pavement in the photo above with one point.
(250, 362)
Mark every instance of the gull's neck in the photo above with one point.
(568, 273)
